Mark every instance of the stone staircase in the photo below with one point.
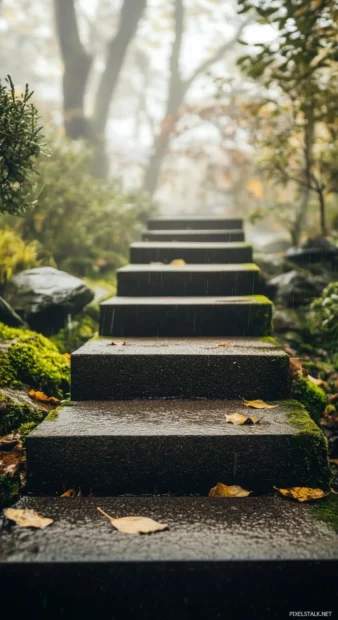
(181, 346)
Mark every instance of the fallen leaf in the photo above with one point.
(178, 262)
(135, 525)
(43, 398)
(225, 344)
(69, 493)
(332, 398)
(238, 418)
(124, 342)
(222, 490)
(24, 517)
(318, 382)
(258, 404)
(296, 364)
(67, 356)
(302, 494)
(334, 461)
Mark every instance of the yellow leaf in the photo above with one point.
(296, 364)
(178, 262)
(69, 493)
(222, 490)
(255, 188)
(51, 400)
(24, 517)
(258, 404)
(238, 418)
(303, 494)
(225, 344)
(67, 356)
(135, 525)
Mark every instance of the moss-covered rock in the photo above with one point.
(17, 408)
(310, 395)
(28, 358)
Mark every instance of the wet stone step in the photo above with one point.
(186, 316)
(253, 558)
(179, 368)
(172, 280)
(191, 252)
(194, 223)
(175, 446)
(193, 235)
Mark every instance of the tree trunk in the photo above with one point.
(301, 216)
(77, 65)
(322, 212)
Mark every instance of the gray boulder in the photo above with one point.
(314, 250)
(44, 296)
(294, 288)
(9, 316)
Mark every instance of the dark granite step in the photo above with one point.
(175, 446)
(194, 223)
(179, 368)
(190, 252)
(245, 559)
(192, 280)
(193, 235)
(186, 316)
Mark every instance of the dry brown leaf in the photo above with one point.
(24, 517)
(225, 344)
(238, 418)
(222, 490)
(302, 494)
(51, 400)
(124, 342)
(258, 404)
(296, 364)
(69, 493)
(135, 525)
(334, 461)
(178, 262)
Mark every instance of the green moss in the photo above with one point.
(53, 415)
(9, 490)
(26, 428)
(310, 395)
(13, 414)
(311, 446)
(31, 359)
(327, 510)
(270, 340)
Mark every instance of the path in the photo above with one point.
(180, 347)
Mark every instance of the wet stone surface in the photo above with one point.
(191, 280)
(172, 446)
(190, 252)
(194, 223)
(179, 368)
(249, 315)
(193, 235)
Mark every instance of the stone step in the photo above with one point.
(175, 446)
(194, 223)
(180, 368)
(193, 235)
(251, 558)
(165, 252)
(186, 316)
(172, 280)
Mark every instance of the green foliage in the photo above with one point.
(20, 145)
(83, 327)
(16, 255)
(83, 223)
(33, 360)
(310, 395)
(325, 312)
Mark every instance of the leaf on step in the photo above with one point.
(222, 490)
(40, 396)
(302, 494)
(135, 525)
(24, 517)
(238, 418)
(296, 365)
(124, 342)
(258, 404)
(69, 493)
(178, 262)
(225, 344)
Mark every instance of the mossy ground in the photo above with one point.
(311, 444)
